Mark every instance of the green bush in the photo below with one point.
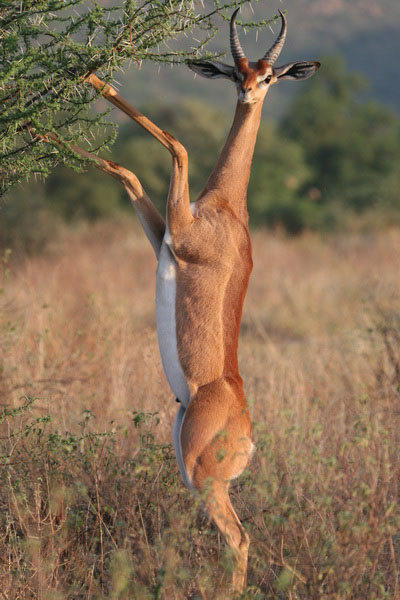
(351, 148)
(27, 222)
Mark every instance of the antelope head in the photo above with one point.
(253, 79)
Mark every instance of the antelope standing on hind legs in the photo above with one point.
(204, 264)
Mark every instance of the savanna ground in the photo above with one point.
(91, 502)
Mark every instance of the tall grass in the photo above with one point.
(91, 503)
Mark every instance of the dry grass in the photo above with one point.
(91, 505)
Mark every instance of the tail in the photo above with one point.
(180, 415)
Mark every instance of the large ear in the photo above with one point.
(211, 68)
(296, 71)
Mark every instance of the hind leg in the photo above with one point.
(221, 511)
(216, 446)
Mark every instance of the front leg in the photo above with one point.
(152, 222)
(179, 216)
(150, 219)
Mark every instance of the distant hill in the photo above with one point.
(365, 32)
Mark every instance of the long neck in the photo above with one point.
(231, 174)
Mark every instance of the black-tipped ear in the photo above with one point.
(297, 71)
(211, 68)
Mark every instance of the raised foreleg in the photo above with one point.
(151, 220)
(179, 216)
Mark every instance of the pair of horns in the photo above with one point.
(273, 52)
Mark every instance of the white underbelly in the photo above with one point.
(166, 323)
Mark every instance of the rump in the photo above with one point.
(215, 433)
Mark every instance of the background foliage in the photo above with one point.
(332, 162)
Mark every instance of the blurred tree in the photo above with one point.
(90, 196)
(352, 148)
(279, 174)
(27, 223)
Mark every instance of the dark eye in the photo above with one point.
(267, 79)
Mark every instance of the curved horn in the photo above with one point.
(236, 48)
(275, 50)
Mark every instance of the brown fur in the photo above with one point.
(216, 446)
(213, 253)
(251, 73)
(214, 263)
